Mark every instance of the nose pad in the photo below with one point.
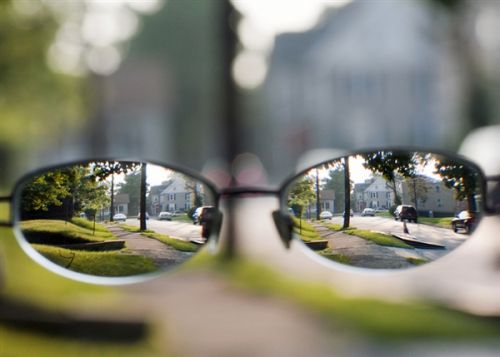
(284, 223)
(211, 223)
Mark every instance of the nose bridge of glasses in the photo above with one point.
(5, 212)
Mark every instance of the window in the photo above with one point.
(171, 196)
(187, 196)
(437, 189)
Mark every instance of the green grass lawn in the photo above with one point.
(306, 231)
(378, 238)
(182, 218)
(385, 214)
(112, 263)
(443, 222)
(333, 226)
(339, 258)
(177, 244)
(64, 229)
(375, 237)
(85, 223)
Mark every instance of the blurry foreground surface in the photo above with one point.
(73, 87)
(215, 309)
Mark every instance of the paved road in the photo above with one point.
(422, 232)
(175, 229)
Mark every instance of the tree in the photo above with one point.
(462, 179)
(143, 191)
(131, 186)
(62, 193)
(192, 186)
(390, 164)
(340, 181)
(103, 169)
(301, 195)
(347, 191)
(418, 186)
(45, 191)
(335, 182)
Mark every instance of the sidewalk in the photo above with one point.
(363, 253)
(162, 255)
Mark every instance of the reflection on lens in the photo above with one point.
(113, 218)
(386, 209)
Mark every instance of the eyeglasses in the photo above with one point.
(120, 221)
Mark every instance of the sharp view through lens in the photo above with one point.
(403, 209)
(87, 217)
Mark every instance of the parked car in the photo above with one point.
(464, 220)
(352, 213)
(139, 216)
(368, 212)
(406, 213)
(165, 216)
(326, 215)
(119, 217)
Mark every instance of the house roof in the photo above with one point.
(327, 195)
(122, 198)
(157, 190)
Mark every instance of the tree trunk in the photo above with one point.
(143, 198)
(112, 207)
(318, 203)
(347, 194)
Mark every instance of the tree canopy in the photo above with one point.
(302, 194)
(463, 179)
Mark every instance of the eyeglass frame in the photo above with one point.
(282, 219)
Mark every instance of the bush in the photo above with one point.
(190, 212)
(392, 209)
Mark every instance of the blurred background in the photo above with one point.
(229, 85)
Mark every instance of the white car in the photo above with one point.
(119, 217)
(326, 215)
(165, 216)
(368, 212)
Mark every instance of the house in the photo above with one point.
(428, 194)
(358, 198)
(327, 200)
(154, 198)
(378, 195)
(121, 203)
(179, 195)
(372, 72)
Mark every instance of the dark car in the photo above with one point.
(464, 220)
(199, 212)
(406, 213)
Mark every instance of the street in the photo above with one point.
(174, 229)
(421, 232)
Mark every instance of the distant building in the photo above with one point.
(371, 72)
(374, 193)
(327, 200)
(154, 198)
(121, 203)
(179, 194)
(431, 195)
